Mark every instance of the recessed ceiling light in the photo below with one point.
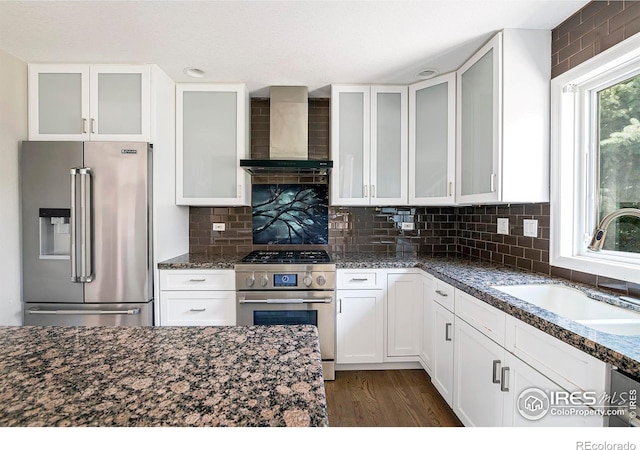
(427, 73)
(193, 72)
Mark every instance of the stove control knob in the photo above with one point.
(264, 280)
(250, 280)
(307, 280)
(321, 280)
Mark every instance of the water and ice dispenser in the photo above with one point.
(55, 233)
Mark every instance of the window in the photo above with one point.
(595, 152)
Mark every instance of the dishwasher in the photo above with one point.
(623, 391)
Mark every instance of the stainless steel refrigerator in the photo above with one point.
(86, 233)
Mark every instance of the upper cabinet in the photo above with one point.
(89, 102)
(503, 120)
(212, 136)
(432, 151)
(369, 145)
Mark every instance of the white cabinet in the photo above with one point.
(359, 326)
(477, 394)
(197, 298)
(369, 145)
(442, 372)
(432, 150)
(503, 120)
(360, 316)
(404, 318)
(212, 136)
(426, 331)
(89, 102)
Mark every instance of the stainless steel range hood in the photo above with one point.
(288, 136)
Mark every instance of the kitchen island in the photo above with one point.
(161, 376)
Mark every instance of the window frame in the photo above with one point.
(573, 142)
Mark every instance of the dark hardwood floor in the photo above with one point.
(386, 398)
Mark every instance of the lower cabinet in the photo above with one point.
(404, 306)
(197, 298)
(198, 308)
(478, 371)
(359, 326)
(442, 372)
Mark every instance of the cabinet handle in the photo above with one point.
(447, 330)
(339, 306)
(365, 188)
(93, 126)
(239, 191)
(450, 188)
(197, 279)
(493, 182)
(496, 368)
(444, 294)
(504, 383)
(373, 191)
(359, 279)
(198, 309)
(84, 125)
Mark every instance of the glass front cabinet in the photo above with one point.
(432, 149)
(81, 102)
(212, 126)
(369, 145)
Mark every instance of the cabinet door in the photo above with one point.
(120, 103)
(478, 363)
(350, 143)
(388, 145)
(211, 140)
(479, 113)
(432, 148)
(359, 326)
(58, 102)
(442, 376)
(426, 337)
(526, 385)
(197, 308)
(404, 321)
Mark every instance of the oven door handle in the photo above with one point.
(287, 300)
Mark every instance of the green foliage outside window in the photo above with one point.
(619, 161)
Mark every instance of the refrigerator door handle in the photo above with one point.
(83, 312)
(72, 228)
(86, 225)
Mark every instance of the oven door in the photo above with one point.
(292, 308)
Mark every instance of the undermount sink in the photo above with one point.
(576, 305)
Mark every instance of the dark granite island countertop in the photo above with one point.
(161, 376)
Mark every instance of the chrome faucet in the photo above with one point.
(597, 241)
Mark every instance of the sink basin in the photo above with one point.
(576, 305)
(626, 327)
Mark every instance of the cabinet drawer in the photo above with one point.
(569, 367)
(197, 280)
(443, 293)
(353, 279)
(197, 308)
(483, 317)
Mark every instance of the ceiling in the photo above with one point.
(264, 43)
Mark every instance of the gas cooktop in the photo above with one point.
(287, 257)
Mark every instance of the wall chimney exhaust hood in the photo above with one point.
(288, 136)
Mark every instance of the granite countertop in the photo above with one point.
(161, 376)
(476, 278)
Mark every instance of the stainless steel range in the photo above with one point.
(290, 288)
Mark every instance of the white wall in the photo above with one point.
(13, 129)
(171, 222)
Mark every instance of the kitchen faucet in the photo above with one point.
(597, 241)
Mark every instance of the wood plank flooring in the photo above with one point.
(386, 398)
